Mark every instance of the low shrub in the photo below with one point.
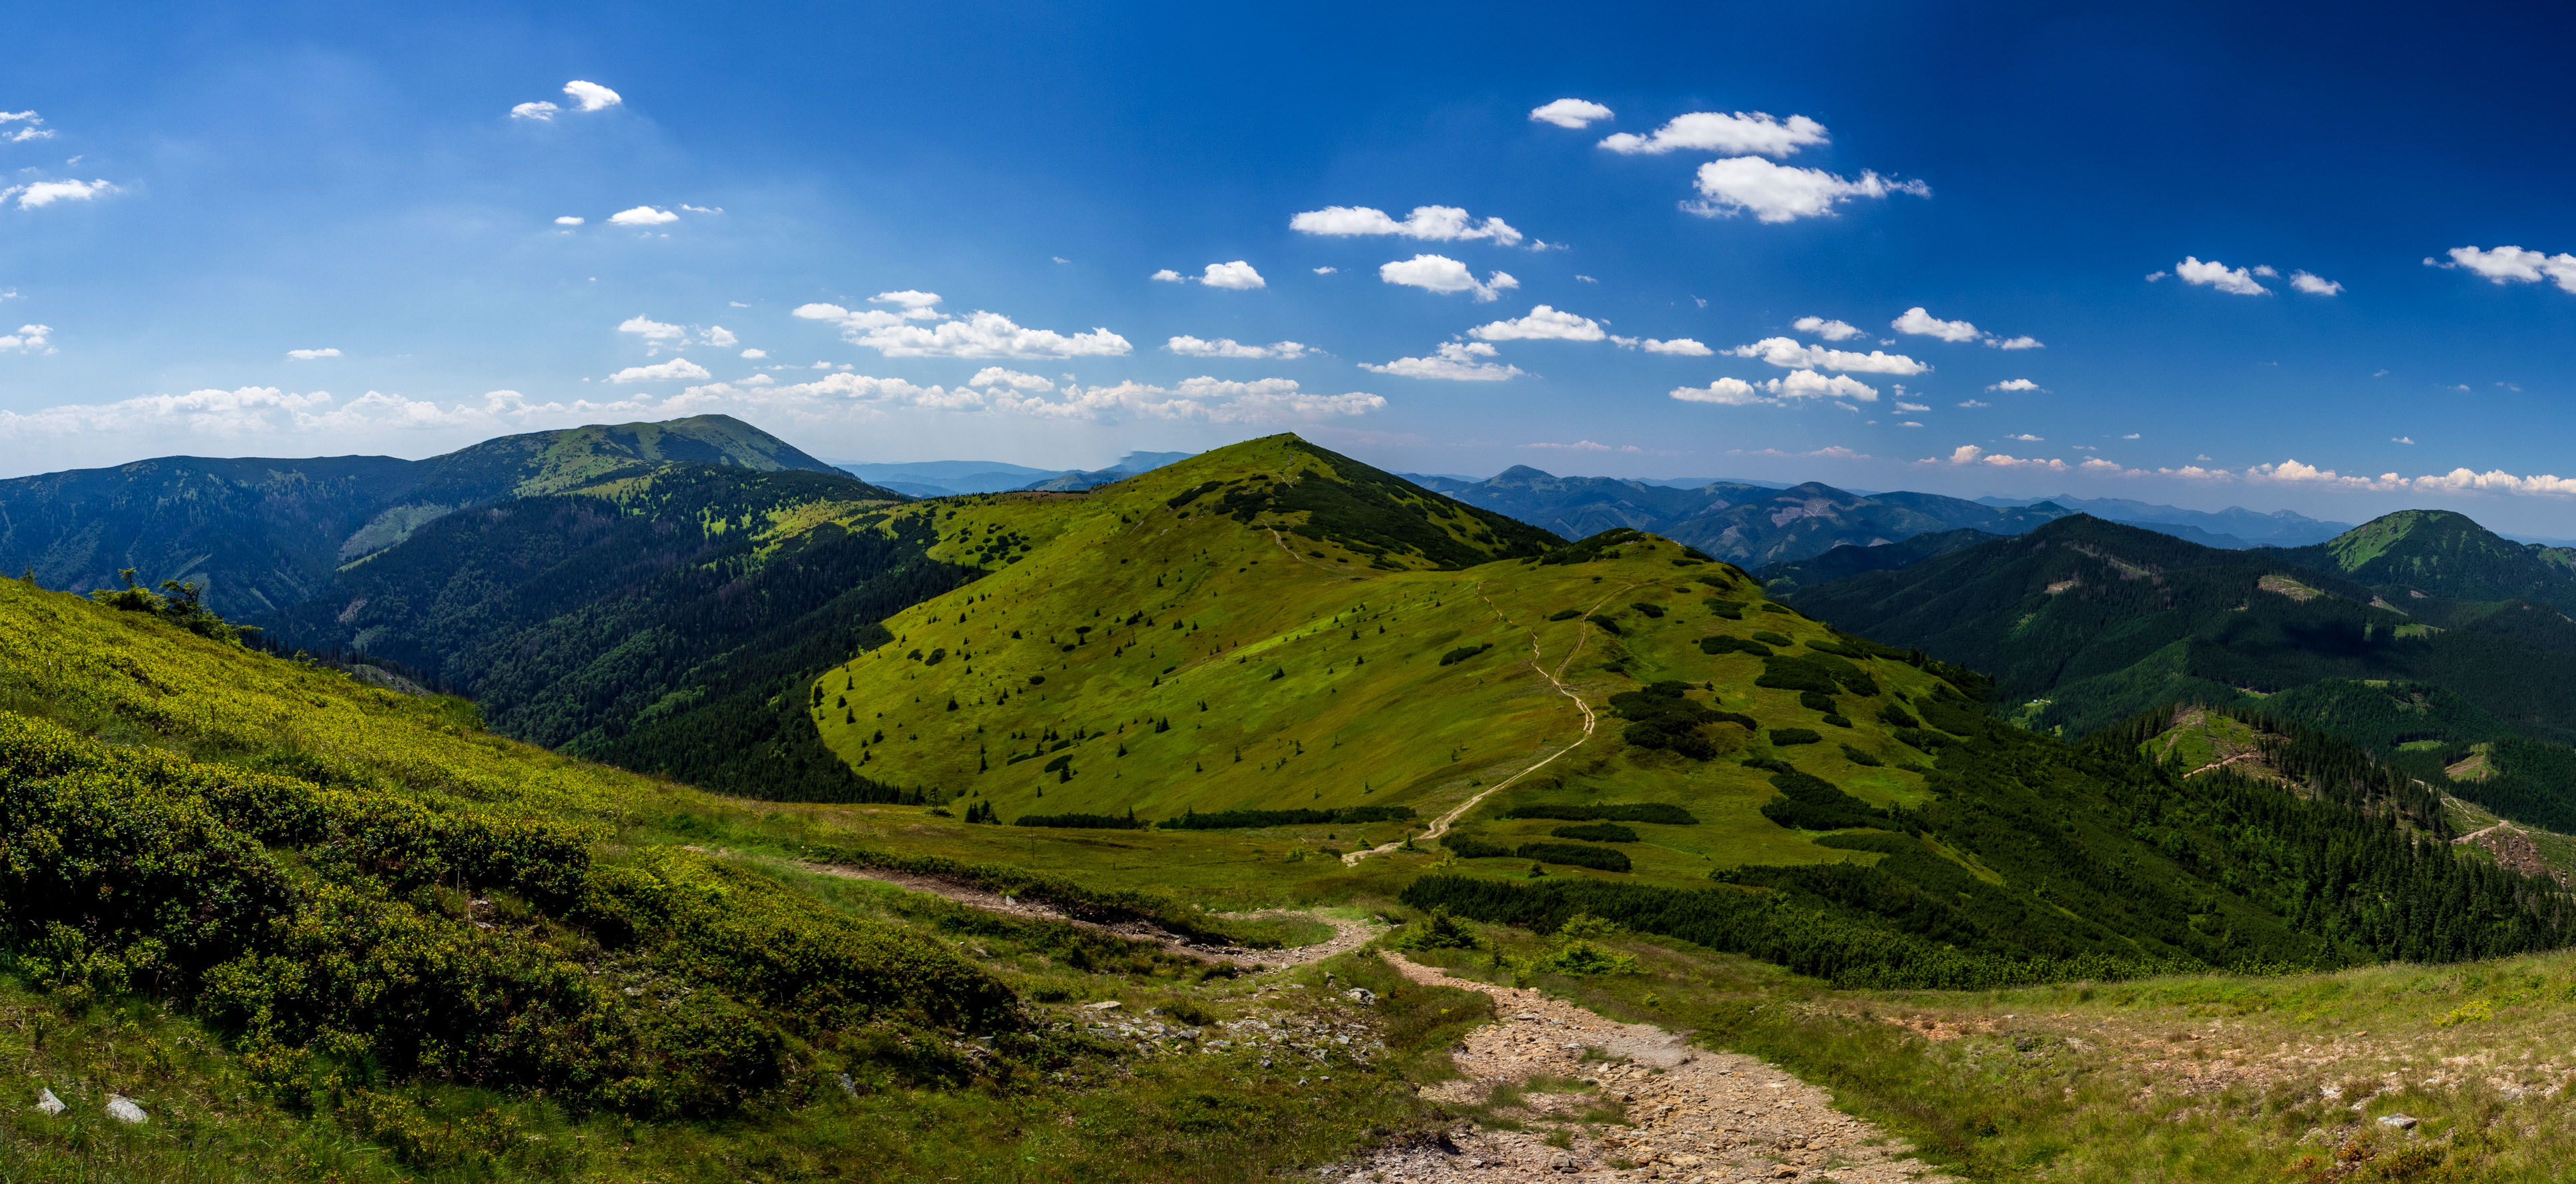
(1662, 813)
(1603, 858)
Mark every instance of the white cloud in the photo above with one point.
(642, 216)
(1680, 346)
(38, 194)
(1780, 193)
(1431, 223)
(1923, 324)
(1585, 279)
(759, 380)
(1439, 273)
(2265, 270)
(2508, 265)
(540, 111)
(35, 129)
(654, 331)
(1788, 353)
(976, 335)
(991, 376)
(1910, 424)
(701, 209)
(2314, 285)
(675, 369)
(1542, 324)
(1966, 454)
(1829, 330)
(1227, 347)
(2014, 384)
(721, 337)
(29, 339)
(591, 96)
(1973, 404)
(1734, 135)
(1167, 275)
(1583, 446)
(1454, 361)
(1802, 384)
(755, 353)
(1236, 276)
(2215, 274)
(307, 355)
(568, 220)
(2027, 438)
(2130, 436)
(1902, 405)
(1326, 270)
(2015, 343)
(2401, 439)
(1573, 113)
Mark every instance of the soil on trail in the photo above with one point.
(1692, 1115)
(1347, 935)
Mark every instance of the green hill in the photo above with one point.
(2444, 554)
(263, 535)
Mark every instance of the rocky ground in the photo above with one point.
(1626, 1102)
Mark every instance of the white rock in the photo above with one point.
(1360, 995)
(47, 1102)
(123, 1109)
(1104, 1005)
(2403, 1122)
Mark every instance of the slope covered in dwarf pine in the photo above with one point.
(2446, 554)
(658, 617)
(1135, 655)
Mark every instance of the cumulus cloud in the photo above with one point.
(642, 216)
(1802, 384)
(1326, 270)
(993, 376)
(1001, 391)
(2401, 439)
(1973, 404)
(568, 220)
(29, 339)
(1542, 324)
(540, 111)
(2514, 265)
(591, 96)
(1227, 347)
(1442, 274)
(675, 369)
(2027, 438)
(1430, 223)
(1788, 353)
(38, 194)
(308, 355)
(721, 337)
(977, 335)
(1968, 454)
(1166, 275)
(1739, 134)
(1829, 330)
(1920, 323)
(2214, 274)
(654, 331)
(755, 353)
(2014, 384)
(1583, 446)
(2314, 285)
(1780, 193)
(1237, 276)
(1572, 113)
(2015, 343)
(1681, 346)
(1456, 361)
(1902, 405)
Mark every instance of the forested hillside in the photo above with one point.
(263, 535)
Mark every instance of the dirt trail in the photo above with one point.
(1347, 935)
(1440, 825)
(1695, 1116)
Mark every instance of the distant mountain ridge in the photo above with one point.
(264, 534)
(2234, 527)
(951, 478)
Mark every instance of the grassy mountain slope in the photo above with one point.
(1850, 559)
(1864, 819)
(2445, 554)
(655, 617)
(263, 535)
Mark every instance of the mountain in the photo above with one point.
(947, 478)
(2085, 622)
(645, 618)
(264, 534)
(2233, 527)
(2445, 554)
(1742, 522)
(1780, 579)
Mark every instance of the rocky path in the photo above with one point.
(1347, 935)
(1693, 1116)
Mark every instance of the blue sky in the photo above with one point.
(193, 194)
